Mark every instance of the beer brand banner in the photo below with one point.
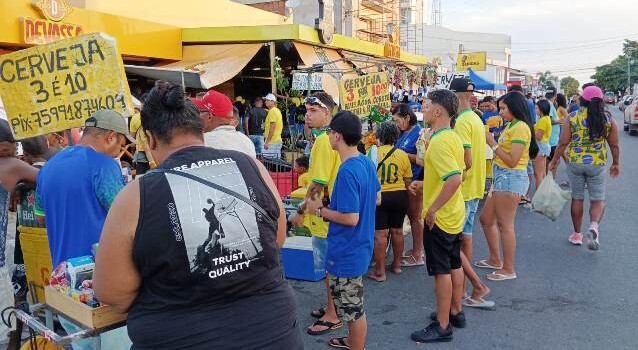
(475, 60)
(358, 95)
(57, 86)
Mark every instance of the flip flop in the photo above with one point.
(331, 327)
(318, 313)
(339, 343)
(375, 278)
(411, 261)
(483, 264)
(493, 276)
(479, 304)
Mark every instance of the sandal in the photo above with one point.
(479, 304)
(524, 200)
(318, 313)
(331, 327)
(411, 261)
(483, 264)
(339, 343)
(494, 276)
(374, 277)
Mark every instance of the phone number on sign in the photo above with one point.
(68, 112)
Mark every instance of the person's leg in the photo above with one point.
(348, 297)
(507, 203)
(397, 248)
(319, 252)
(479, 289)
(415, 208)
(380, 244)
(458, 283)
(540, 169)
(530, 175)
(357, 331)
(577, 214)
(596, 187)
(443, 289)
(577, 179)
(490, 229)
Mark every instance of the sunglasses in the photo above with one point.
(312, 100)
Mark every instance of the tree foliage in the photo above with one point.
(613, 76)
(570, 85)
(546, 78)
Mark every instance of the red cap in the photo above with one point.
(216, 104)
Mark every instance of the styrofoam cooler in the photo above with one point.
(298, 259)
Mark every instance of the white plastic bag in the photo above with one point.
(550, 199)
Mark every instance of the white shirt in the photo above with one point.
(226, 137)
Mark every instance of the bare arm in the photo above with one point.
(512, 158)
(449, 188)
(412, 158)
(271, 132)
(346, 219)
(563, 142)
(467, 157)
(116, 280)
(13, 170)
(613, 142)
(281, 220)
(539, 134)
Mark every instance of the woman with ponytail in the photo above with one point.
(584, 135)
(515, 147)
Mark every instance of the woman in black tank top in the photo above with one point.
(191, 250)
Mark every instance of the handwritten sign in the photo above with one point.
(358, 95)
(443, 81)
(58, 86)
(300, 81)
(474, 60)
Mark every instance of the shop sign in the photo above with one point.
(391, 50)
(358, 95)
(443, 81)
(38, 31)
(300, 81)
(58, 86)
(475, 60)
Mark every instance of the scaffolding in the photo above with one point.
(375, 21)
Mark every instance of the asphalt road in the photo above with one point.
(566, 297)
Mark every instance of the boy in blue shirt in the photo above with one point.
(351, 227)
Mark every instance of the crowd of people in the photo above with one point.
(191, 248)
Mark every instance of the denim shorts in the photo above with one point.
(319, 253)
(510, 180)
(258, 141)
(592, 175)
(471, 207)
(544, 149)
(530, 168)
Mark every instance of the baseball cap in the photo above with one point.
(215, 103)
(345, 122)
(109, 119)
(592, 92)
(462, 85)
(271, 97)
(550, 90)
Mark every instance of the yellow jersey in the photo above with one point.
(582, 149)
(135, 127)
(471, 131)
(444, 158)
(544, 123)
(324, 165)
(515, 132)
(394, 170)
(274, 116)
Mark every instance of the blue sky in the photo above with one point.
(567, 37)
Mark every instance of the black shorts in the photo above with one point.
(442, 250)
(392, 211)
(551, 154)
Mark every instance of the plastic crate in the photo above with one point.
(37, 260)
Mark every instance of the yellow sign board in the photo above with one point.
(475, 60)
(42, 31)
(358, 95)
(392, 51)
(58, 86)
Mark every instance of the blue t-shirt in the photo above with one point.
(553, 140)
(488, 115)
(407, 143)
(75, 191)
(573, 108)
(532, 110)
(355, 191)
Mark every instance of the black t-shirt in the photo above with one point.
(256, 117)
(207, 260)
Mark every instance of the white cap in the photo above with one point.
(270, 97)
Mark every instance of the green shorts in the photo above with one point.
(348, 297)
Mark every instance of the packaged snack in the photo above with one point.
(79, 270)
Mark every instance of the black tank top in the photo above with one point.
(196, 246)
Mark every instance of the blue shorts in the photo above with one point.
(471, 207)
(319, 253)
(258, 141)
(510, 180)
(544, 149)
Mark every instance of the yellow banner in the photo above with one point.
(475, 60)
(58, 86)
(358, 95)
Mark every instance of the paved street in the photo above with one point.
(566, 297)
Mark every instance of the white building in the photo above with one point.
(443, 44)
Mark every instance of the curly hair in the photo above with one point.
(446, 99)
(388, 133)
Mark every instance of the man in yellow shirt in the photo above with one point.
(273, 126)
(471, 131)
(324, 165)
(444, 213)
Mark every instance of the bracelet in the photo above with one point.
(495, 147)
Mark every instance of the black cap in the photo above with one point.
(462, 85)
(346, 123)
(550, 90)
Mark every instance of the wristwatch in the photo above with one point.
(318, 212)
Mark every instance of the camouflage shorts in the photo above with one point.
(348, 297)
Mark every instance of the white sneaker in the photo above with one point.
(593, 235)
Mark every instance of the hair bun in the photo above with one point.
(173, 97)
